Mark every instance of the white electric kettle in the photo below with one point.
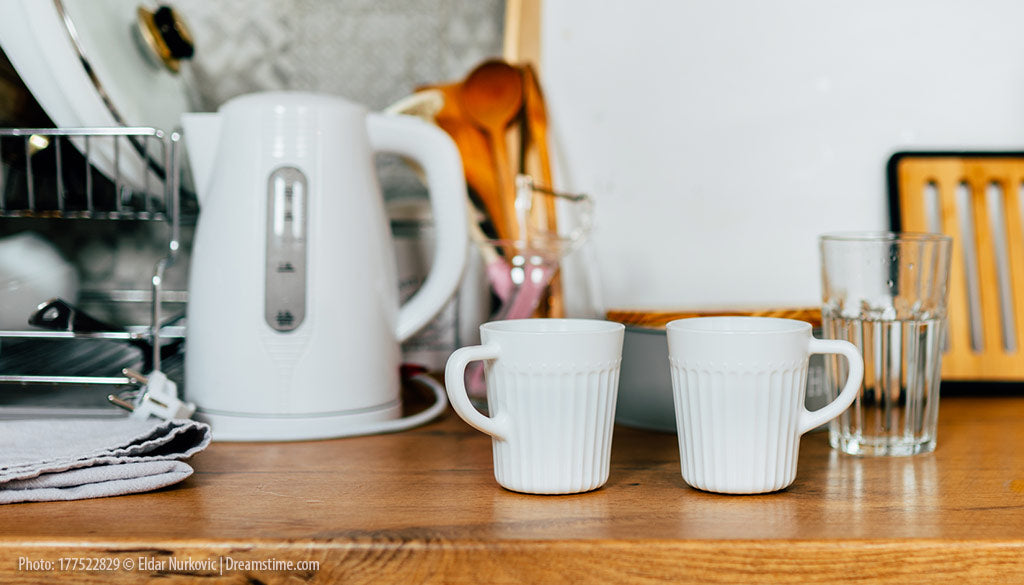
(294, 321)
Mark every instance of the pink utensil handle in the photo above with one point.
(500, 279)
(527, 297)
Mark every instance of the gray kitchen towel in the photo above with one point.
(74, 459)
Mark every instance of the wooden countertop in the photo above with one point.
(423, 507)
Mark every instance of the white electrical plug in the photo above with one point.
(158, 397)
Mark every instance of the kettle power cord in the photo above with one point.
(406, 423)
(159, 398)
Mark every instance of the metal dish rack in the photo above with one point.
(104, 152)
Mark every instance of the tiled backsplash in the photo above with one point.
(373, 52)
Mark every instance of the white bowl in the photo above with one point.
(32, 271)
(645, 383)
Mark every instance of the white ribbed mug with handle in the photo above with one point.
(552, 385)
(738, 384)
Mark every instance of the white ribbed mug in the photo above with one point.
(738, 384)
(551, 391)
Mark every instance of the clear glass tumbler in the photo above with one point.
(887, 293)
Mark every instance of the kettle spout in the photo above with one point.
(202, 133)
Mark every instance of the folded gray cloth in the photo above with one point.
(74, 459)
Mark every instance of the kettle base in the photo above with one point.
(228, 426)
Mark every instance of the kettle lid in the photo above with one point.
(289, 99)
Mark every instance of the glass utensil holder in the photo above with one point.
(524, 273)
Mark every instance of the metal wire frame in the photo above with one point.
(160, 189)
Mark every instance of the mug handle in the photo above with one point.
(455, 383)
(810, 420)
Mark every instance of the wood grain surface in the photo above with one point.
(422, 507)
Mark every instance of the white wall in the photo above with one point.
(719, 138)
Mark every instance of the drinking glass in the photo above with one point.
(887, 293)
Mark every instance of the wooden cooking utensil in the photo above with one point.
(427, 103)
(492, 96)
(537, 135)
(536, 143)
(476, 158)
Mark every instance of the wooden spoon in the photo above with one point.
(438, 105)
(537, 138)
(476, 159)
(537, 135)
(492, 96)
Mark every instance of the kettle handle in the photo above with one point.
(436, 153)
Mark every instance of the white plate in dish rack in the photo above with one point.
(81, 62)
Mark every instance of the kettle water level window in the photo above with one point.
(285, 286)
